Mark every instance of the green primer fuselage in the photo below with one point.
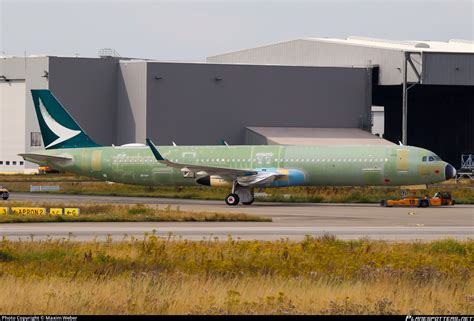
(335, 165)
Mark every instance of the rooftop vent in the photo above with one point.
(422, 45)
(108, 53)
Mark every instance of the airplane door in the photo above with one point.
(402, 160)
(96, 161)
(189, 159)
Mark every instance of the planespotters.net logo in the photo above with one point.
(438, 318)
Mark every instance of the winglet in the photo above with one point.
(154, 150)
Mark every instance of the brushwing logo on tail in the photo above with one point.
(59, 130)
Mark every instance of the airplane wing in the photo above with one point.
(260, 179)
(210, 170)
(40, 158)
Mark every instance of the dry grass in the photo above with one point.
(91, 212)
(166, 276)
(180, 294)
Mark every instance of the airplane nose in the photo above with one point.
(449, 172)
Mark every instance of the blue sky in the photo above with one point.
(193, 30)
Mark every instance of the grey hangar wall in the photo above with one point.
(204, 103)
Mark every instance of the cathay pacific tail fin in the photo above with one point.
(58, 128)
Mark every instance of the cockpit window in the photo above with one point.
(431, 158)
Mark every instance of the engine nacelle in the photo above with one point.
(214, 180)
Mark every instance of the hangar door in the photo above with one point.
(12, 125)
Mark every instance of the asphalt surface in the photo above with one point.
(290, 220)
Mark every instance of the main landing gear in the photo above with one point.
(232, 199)
(240, 194)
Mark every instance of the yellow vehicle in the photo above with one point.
(4, 193)
(438, 199)
(46, 169)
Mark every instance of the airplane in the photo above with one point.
(241, 168)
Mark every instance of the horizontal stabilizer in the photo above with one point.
(40, 158)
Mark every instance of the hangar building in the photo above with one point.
(439, 83)
(303, 91)
(119, 101)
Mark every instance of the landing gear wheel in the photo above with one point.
(232, 199)
(249, 202)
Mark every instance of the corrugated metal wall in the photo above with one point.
(318, 53)
(448, 69)
(30, 71)
(132, 102)
(204, 103)
(88, 89)
(12, 125)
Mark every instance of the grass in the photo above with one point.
(463, 192)
(126, 213)
(171, 276)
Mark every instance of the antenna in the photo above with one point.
(174, 144)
